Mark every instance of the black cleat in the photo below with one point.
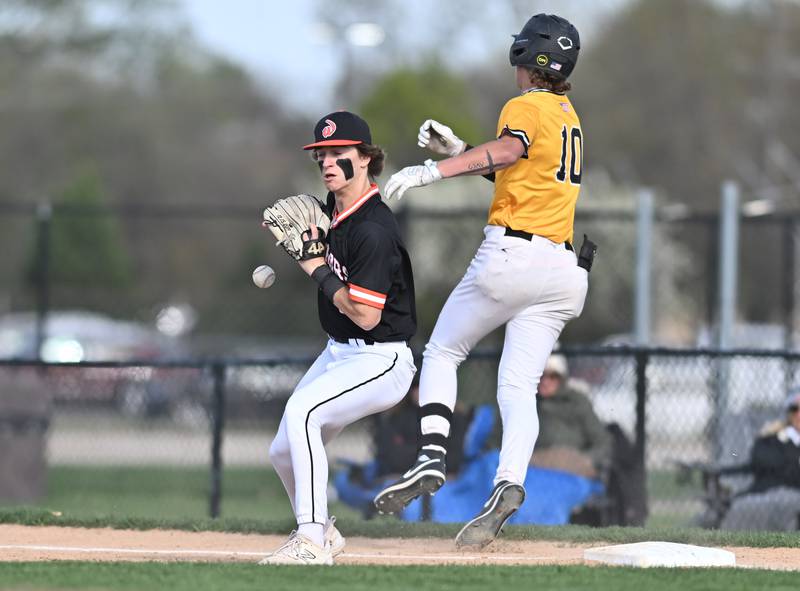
(427, 475)
(505, 499)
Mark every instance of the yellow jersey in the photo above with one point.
(537, 194)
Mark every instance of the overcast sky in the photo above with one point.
(273, 46)
(273, 39)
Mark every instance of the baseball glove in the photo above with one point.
(289, 217)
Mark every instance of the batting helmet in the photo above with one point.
(547, 42)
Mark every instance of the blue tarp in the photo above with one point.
(551, 495)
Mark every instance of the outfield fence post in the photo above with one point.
(427, 509)
(44, 218)
(217, 425)
(642, 358)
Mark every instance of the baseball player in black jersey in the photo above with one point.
(366, 306)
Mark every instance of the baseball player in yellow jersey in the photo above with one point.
(525, 274)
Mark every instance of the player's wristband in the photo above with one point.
(328, 282)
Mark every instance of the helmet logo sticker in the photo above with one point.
(329, 129)
(542, 59)
(564, 43)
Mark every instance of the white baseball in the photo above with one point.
(263, 276)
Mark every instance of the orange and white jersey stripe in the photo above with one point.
(339, 217)
(366, 296)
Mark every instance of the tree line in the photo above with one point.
(131, 110)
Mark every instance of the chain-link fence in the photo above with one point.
(141, 264)
(179, 277)
(678, 410)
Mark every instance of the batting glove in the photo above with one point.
(440, 139)
(412, 176)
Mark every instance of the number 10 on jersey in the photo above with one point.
(571, 150)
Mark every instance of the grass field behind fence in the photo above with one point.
(164, 492)
(254, 501)
(248, 493)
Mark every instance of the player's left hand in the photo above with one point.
(288, 218)
(439, 138)
(312, 244)
(412, 176)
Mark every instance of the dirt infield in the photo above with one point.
(25, 543)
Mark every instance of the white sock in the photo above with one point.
(435, 424)
(314, 532)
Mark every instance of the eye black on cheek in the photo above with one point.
(347, 167)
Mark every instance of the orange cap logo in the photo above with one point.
(329, 129)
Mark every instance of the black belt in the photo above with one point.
(365, 341)
(528, 236)
(347, 341)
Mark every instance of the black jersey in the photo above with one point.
(366, 252)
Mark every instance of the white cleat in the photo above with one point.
(333, 538)
(300, 550)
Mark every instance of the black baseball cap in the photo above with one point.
(340, 128)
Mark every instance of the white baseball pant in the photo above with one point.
(347, 382)
(534, 287)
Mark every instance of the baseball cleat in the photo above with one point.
(427, 475)
(333, 538)
(299, 550)
(505, 499)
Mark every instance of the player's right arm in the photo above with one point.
(516, 129)
(484, 159)
(440, 139)
(372, 261)
(364, 316)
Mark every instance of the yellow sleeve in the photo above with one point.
(519, 120)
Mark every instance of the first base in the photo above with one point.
(660, 554)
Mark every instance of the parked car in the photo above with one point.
(73, 336)
(261, 390)
(81, 336)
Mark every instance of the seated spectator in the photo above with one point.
(564, 475)
(772, 501)
(395, 435)
(584, 472)
(571, 436)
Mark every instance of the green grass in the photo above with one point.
(254, 501)
(167, 493)
(388, 527)
(671, 502)
(248, 493)
(234, 577)
(663, 485)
